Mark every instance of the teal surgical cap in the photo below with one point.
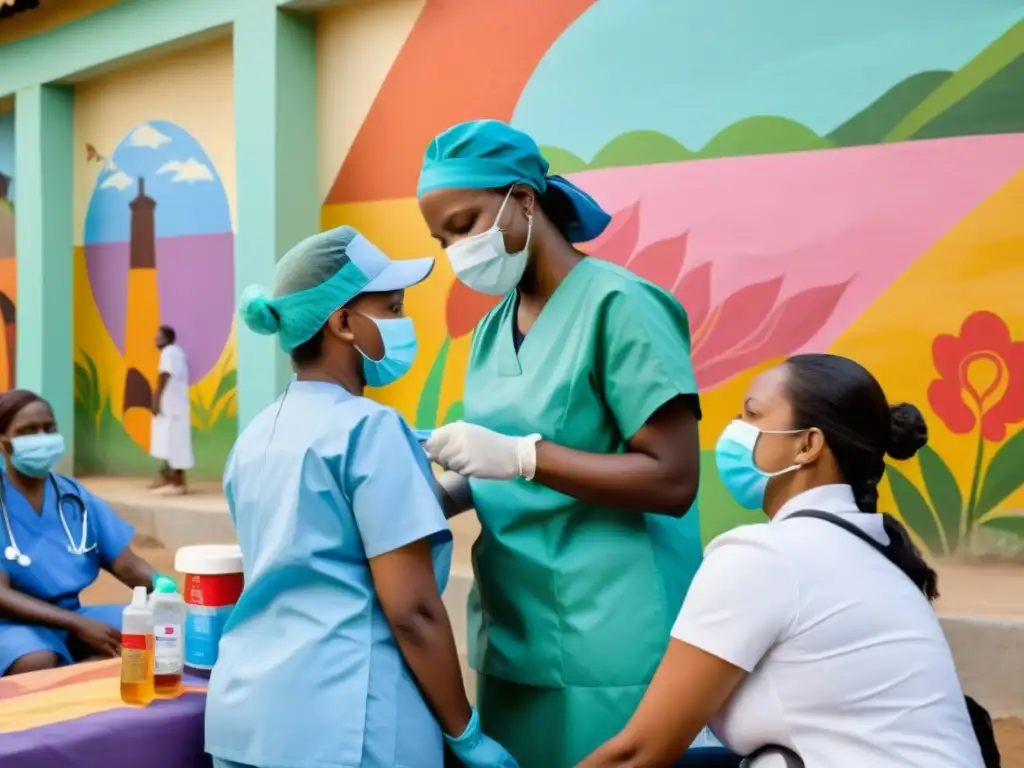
(489, 154)
(318, 276)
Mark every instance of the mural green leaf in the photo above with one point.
(944, 494)
(1005, 474)
(915, 511)
(455, 412)
(430, 397)
(1006, 523)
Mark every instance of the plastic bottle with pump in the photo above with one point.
(137, 650)
(168, 635)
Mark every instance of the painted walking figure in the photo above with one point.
(171, 437)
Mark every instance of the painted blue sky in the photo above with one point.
(690, 68)
(7, 148)
(190, 198)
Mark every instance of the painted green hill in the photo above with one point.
(874, 122)
(562, 161)
(985, 65)
(763, 135)
(640, 148)
(995, 106)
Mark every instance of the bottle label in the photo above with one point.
(168, 650)
(203, 630)
(134, 659)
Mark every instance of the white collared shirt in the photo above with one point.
(848, 664)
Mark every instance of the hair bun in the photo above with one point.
(908, 432)
(257, 313)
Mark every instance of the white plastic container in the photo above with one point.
(137, 650)
(213, 582)
(168, 640)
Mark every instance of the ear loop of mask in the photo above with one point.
(791, 467)
(360, 351)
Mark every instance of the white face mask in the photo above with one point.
(483, 264)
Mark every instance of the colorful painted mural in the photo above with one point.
(158, 249)
(802, 176)
(8, 263)
(154, 195)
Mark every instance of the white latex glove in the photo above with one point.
(475, 451)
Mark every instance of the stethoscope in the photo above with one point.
(14, 554)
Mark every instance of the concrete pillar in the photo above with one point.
(276, 158)
(43, 167)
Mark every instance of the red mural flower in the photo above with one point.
(747, 328)
(981, 377)
(465, 308)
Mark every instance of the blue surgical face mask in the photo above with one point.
(36, 455)
(734, 456)
(399, 337)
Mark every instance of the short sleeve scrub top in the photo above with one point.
(56, 574)
(574, 602)
(309, 674)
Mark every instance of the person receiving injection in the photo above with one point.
(339, 652)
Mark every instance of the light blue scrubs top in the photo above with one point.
(56, 575)
(309, 674)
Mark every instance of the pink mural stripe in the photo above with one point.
(813, 219)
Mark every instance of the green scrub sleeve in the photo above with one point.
(646, 339)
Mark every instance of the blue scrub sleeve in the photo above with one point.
(646, 353)
(388, 482)
(112, 534)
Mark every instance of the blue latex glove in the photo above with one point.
(475, 750)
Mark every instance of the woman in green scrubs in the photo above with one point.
(580, 439)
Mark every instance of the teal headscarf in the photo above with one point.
(489, 154)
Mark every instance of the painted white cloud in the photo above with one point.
(191, 170)
(147, 136)
(118, 180)
(109, 165)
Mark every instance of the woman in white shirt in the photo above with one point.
(795, 633)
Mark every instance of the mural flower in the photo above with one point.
(981, 378)
(746, 328)
(980, 387)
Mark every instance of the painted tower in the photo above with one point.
(141, 356)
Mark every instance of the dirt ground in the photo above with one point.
(990, 589)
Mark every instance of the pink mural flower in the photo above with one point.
(749, 327)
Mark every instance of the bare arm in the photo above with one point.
(405, 586)
(132, 571)
(659, 472)
(689, 687)
(26, 609)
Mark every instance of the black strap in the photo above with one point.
(980, 719)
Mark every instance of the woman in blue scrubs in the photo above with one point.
(339, 652)
(56, 538)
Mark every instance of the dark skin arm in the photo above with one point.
(688, 689)
(405, 586)
(161, 384)
(26, 609)
(132, 571)
(658, 473)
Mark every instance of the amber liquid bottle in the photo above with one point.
(137, 651)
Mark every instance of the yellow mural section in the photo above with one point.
(978, 264)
